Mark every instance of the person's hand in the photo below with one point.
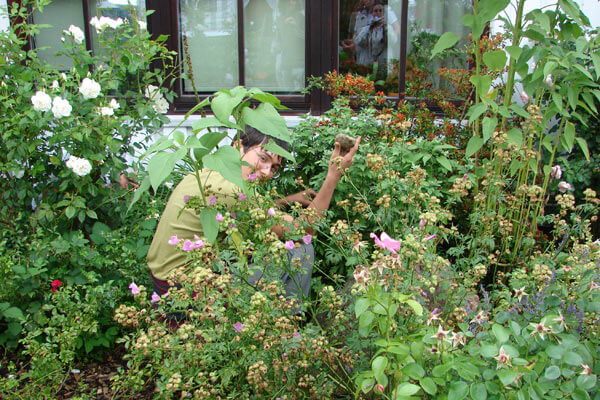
(124, 182)
(339, 163)
(304, 197)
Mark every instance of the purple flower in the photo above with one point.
(252, 177)
(155, 298)
(238, 326)
(188, 245)
(212, 201)
(284, 355)
(174, 241)
(186, 198)
(233, 215)
(219, 217)
(135, 290)
(428, 238)
(289, 245)
(271, 211)
(198, 244)
(242, 196)
(307, 239)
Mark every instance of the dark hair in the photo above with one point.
(252, 137)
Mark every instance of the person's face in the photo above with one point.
(262, 162)
(378, 11)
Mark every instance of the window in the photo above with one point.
(277, 44)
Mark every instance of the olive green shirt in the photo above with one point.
(163, 257)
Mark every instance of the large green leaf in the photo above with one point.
(495, 59)
(488, 9)
(584, 147)
(360, 306)
(476, 23)
(227, 161)
(280, 151)
(502, 334)
(488, 126)
(506, 376)
(478, 391)
(405, 389)
(458, 391)
(445, 41)
(225, 101)
(569, 136)
(266, 119)
(208, 141)
(428, 385)
(209, 122)
(473, 146)
(161, 165)
(210, 225)
(378, 366)
(264, 97)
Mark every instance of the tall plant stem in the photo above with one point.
(517, 32)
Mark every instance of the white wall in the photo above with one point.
(3, 16)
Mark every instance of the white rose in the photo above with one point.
(152, 91)
(115, 23)
(90, 89)
(106, 111)
(77, 34)
(114, 104)
(63, 76)
(61, 107)
(54, 85)
(80, 166)
(104, 22)
(41, 101)
(143, 25)
(161, 105)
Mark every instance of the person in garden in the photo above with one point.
(182, 222)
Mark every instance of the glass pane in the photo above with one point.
(125, 9)
(370, 40)
(208, 34)
(274, 36)
(60, 14)
(428, 19)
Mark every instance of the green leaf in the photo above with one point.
(488, 9)
(378, 366)
(162, 164)
(198, 106)
(555, 351)
(70, 212)
(475, 111)
(92, 214)
(476, 23)
(209, 141)
(444, 162)
(580, 394)
(502, 334)
(137, 194)
(517, 109)
(226, 161)
(280, 151)
(478, 391)
(179, 137)
(584, 147)
(573, 358)
(263, 97)
(414, 371)
(488, 126)
(224, 102)
(569, 136)
(514, 51)
(586, 382)
(482, 83)
(552, 373)
(458, 391)
(13, 313)
(266, 119)
(367, 384)
(489, 350)
(596, 61)
(405, 389)
(400, 349)
(365, 319)
(428, 385)
(506, 376)
(445, 41)
(495, 59)
(361, 306)
(208, 122)
(416, 306)
(515, 136)
(473, 146)
(210, 225)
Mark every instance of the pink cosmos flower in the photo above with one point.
(186, 198)
(242, 196)
(564, 186)
(155, 298)
(271, 211)
(252, 177)
(188, 245)
(219, 217)
(198, 244)
(212, 201)
(307, 239)
(556, 172)
(386, 242)
(135, 290)
(174, 241)
(428, 238)
(289, 245)
(238, 326)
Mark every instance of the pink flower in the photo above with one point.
(271, 211)
(252, 177)
(174, 241)
(564, 186)
(386, 242)
(219, 217)
(186, 198)
(422, 222)
(556, 172)
(212, 201)
(198, 244)
(188, 245)
(55, 285)
(233, 215)
(380, 387)
(135, 290)
(242, 196)
(155, 298)
(238, 326)
(289, 245)
(297, 335)
(524, 97)
(428, 238)
(307, 239)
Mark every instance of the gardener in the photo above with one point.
(177, 220)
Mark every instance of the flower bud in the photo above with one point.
(548, 80)
(556, 172)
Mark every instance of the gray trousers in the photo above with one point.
(299, 281)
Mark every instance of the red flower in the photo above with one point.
(55, 285)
